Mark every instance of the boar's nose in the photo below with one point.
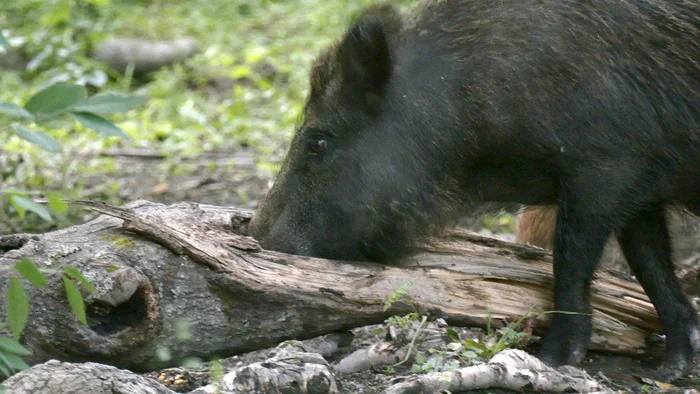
(278, 235)
(258, 227)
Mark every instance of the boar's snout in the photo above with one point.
(273, 233)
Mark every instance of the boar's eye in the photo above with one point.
(318, 145)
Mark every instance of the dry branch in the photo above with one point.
(511, 369)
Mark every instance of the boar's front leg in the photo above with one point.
(579, 239)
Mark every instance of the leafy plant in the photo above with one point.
(413, 341)
(60, 99)
(474, 351)
(17, 300)
(10, 352)
(49, 104)
(389, 370)
(437, 362)
(70, 276)
(17, 305)
(402, 322)
(471, 351)
(217, 372)
(396, 295)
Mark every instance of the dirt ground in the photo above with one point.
(211, 179)
(226, 178)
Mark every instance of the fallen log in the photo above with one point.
(157, 267)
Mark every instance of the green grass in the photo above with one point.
(236, 36)
(239, 39)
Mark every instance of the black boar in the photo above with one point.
(592, 106)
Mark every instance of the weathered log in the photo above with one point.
(155, 266)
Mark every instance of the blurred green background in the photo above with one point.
(216, 125)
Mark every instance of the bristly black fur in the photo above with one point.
(593, 106)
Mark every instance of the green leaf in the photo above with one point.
(75, 299)
(109, 103)
(497, 348)
(99, 124)
(74, 273)
(216, 370)
(192, 363)
(29, 271)
(16, 362)
(56, 99)
(17, 307)
(4, 366)
(57, 204)
(15, 111)
(59, 13)
(240, 72)
(20, 210)
(8, 345)
(163, 354)
(396, 295)
(452, 334)
(469, 354)
(256, 54)
(183, 332)
(3, 40)
(45, 141)
(31, 206)
(474, 345)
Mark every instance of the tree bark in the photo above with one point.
(156, 267)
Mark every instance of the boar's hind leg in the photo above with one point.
(579, 239)
(646, 246)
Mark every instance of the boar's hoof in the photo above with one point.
(557, 351)
(670, 371)
(679, 360)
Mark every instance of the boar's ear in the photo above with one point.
(364, 53)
